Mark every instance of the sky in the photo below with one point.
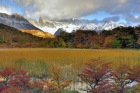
(99, 11)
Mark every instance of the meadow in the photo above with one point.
(38, 61)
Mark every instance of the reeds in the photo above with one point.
(39, 60)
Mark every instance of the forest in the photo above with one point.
(120, 37)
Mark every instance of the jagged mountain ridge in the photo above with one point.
(17, 21)
(52, 26)
(69, 25)
(43, 23)
(89, 26)
(108, 25)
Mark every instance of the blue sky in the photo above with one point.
(127, 11)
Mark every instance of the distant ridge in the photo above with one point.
(17, 21)
(107, 25)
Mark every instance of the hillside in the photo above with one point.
(39, 33)
(13, 37)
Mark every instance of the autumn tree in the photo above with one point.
(8, 74)
(15, 81)
(108, 42)
(61, 43)
(137, 31)
(38, 85)
(22, 80)
(64, 44)
(123, 76)
(69, 45)
(96, 41)
(96, 76)
(138, 41)
(79, 45)
(56, 85)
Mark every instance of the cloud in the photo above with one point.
(130, 11)
(6, 10)
(136, 17)
(63, 9)
(137, 7)
(132, 18)
(114, 18)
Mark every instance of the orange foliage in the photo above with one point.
(138, 41)
(108, 41)
(56, 85)
(39, 33)
(16, 81)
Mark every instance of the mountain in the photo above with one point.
(123, 24)
(89, 26)
(108, 25)
(42, 23)
(16, 21)
(59, 31)
(72, 24)
(52, 26)
(39, 33)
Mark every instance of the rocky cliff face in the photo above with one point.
(16, 21)
(45, 23)
(59, 31)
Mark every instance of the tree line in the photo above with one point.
(120, 37)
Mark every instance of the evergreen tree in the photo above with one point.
(116, 43)
(1, 38)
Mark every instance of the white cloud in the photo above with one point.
(137, 17)
(6, 10)
(123, 1)
(63, 9)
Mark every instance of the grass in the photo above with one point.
(39, 60)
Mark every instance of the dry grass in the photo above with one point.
(38, 60)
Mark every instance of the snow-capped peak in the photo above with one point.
(107, 25)
(89, 26)
(123, 24)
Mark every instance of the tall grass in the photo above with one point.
(38, 60)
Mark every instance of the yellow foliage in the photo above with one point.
(39, 33)
(56, 84)
(138, 41)
(61, 58)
